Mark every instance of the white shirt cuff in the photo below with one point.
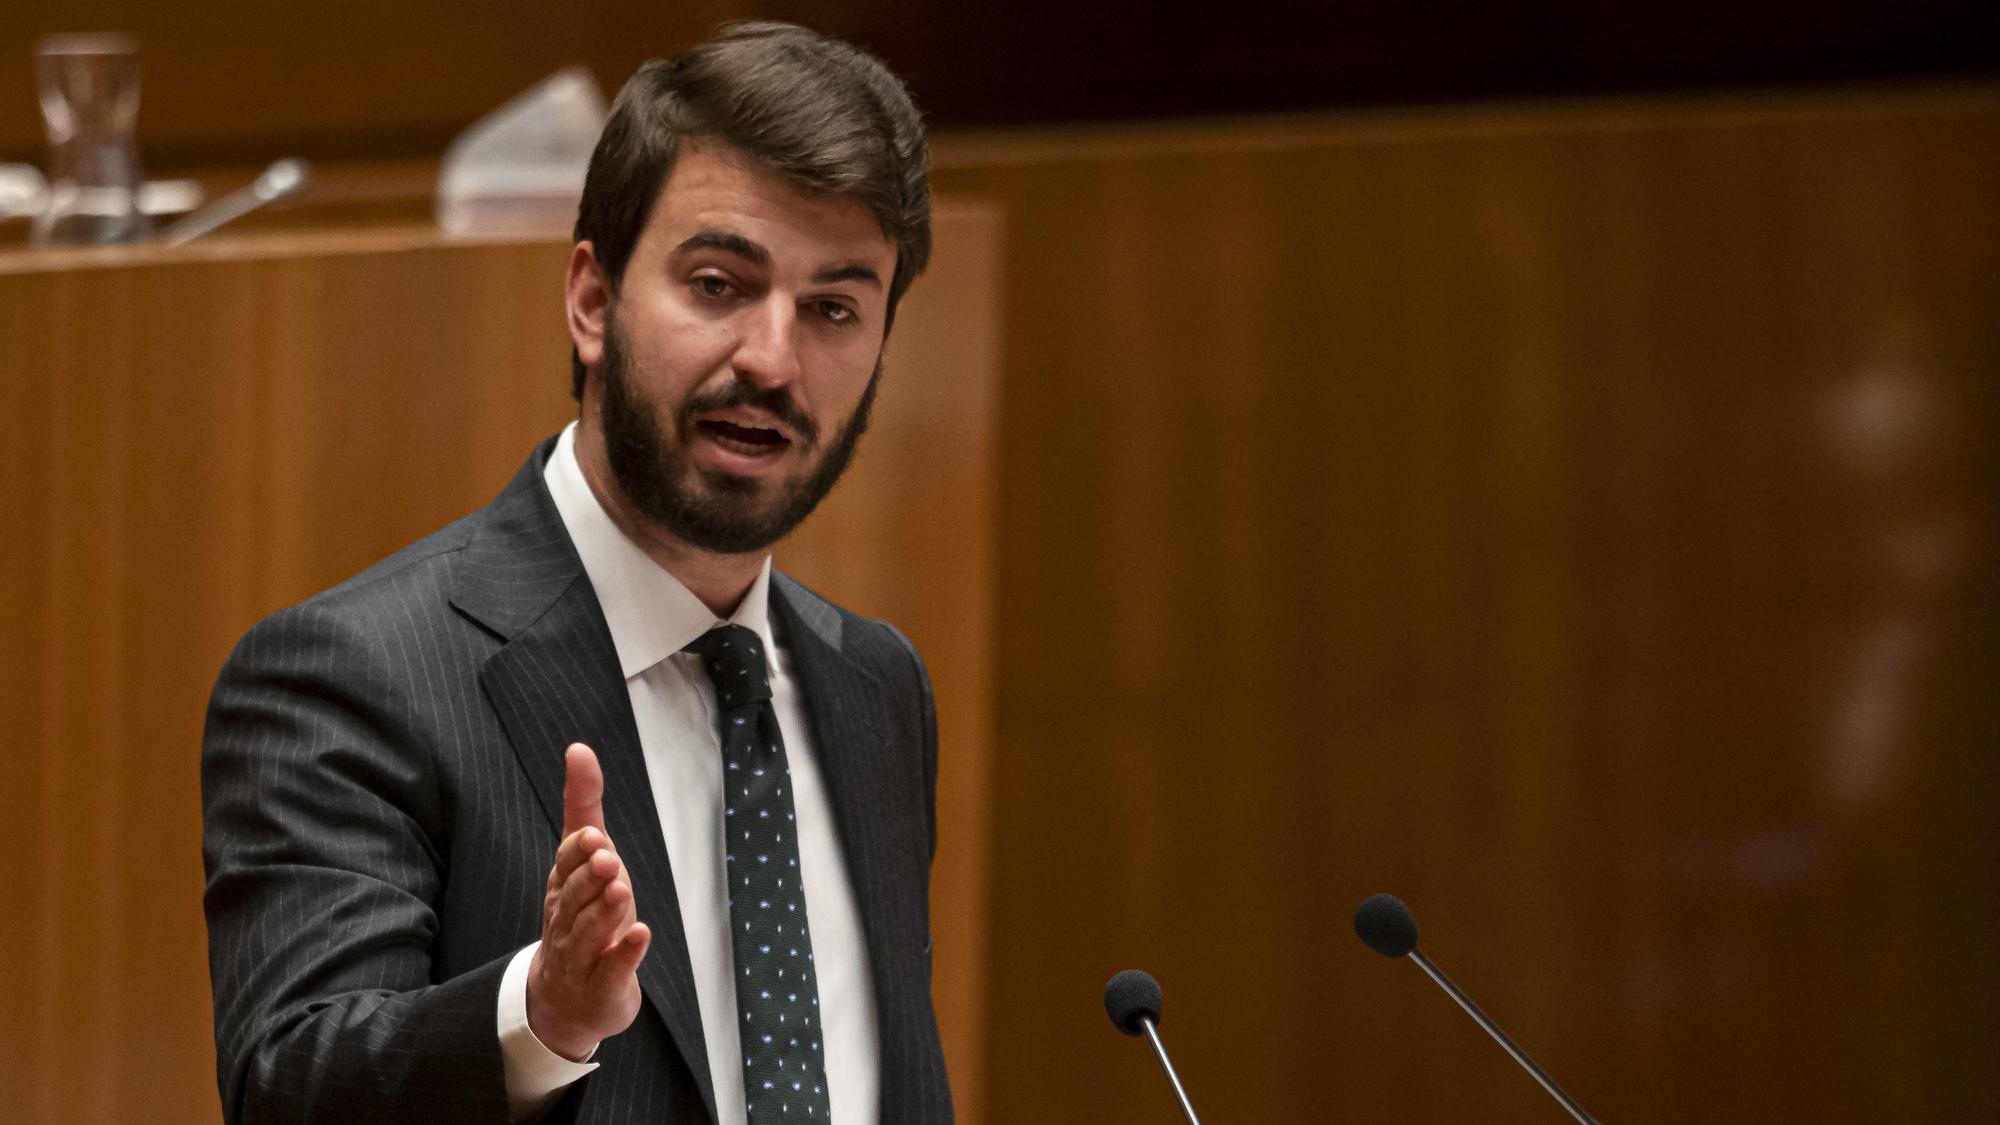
(536, 1076)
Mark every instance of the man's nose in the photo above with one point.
(767, 355)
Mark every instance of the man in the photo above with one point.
(575, 810)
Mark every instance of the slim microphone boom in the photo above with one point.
(1132, 1000)
(1386, 926)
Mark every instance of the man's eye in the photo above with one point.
(836, 312)
(710, 286)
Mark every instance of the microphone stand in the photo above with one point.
(1498, 1035)
(1160, 1052)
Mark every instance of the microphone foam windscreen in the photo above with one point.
(1384, 924)
(1130, 995)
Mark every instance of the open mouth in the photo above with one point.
(748, 440)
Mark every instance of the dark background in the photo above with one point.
(242, 81)
(1044, 61)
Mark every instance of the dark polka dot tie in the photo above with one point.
(777, 993)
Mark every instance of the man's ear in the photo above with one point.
(586, 298)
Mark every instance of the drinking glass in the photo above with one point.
(90, 102)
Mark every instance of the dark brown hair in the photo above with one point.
(815, 111)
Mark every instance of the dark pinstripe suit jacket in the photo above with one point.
(382, 792)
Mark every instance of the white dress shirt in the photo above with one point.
(652, 617)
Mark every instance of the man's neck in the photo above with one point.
(720, 581)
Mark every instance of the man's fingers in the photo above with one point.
(581, 983)
(614, 968)
(624, 957)
(583, 790)
(584, 886)
(603, 920)
(575, 848)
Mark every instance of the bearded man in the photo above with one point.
(575, 810)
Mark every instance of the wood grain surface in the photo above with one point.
(1580, 521)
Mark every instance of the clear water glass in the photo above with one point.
(90, 103)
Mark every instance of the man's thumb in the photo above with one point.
(583, 790)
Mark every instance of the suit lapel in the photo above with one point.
(847, 706)
(557, 681)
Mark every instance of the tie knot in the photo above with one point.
(734, 657)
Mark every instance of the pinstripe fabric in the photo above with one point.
(382, 793)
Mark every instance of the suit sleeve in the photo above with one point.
(321, 826)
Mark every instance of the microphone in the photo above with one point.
(1385, 925)
(1132, 1000)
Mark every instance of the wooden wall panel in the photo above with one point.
(202, 436)
(1582, 522)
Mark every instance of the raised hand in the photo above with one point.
(583, 984)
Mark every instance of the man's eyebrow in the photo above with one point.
(848, 273)
(728, 243)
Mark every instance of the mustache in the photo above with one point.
(776, 401)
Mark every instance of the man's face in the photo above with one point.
(741, 352)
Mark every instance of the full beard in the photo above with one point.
(705, 508)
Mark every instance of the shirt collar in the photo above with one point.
(650, 614)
